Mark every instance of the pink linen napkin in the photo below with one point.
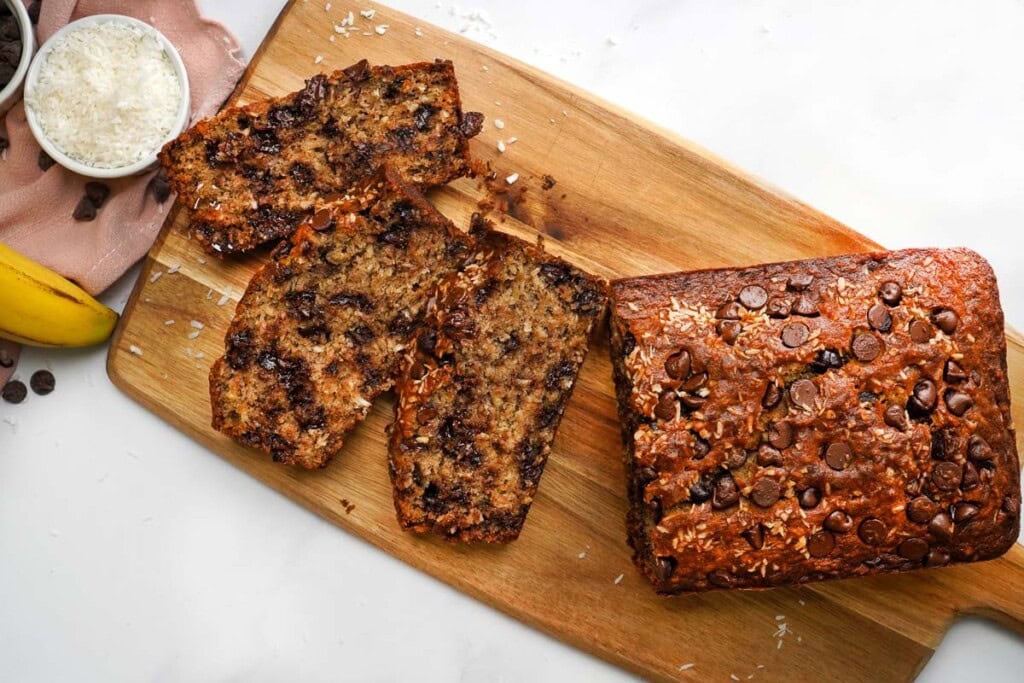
(36, 206)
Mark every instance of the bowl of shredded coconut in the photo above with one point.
(104, 94)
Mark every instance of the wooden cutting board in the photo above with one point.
(630, 199)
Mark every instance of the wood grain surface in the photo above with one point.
(630, 199)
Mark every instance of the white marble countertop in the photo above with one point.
(128, 552)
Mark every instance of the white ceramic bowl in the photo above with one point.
(11, 92)
(55, 152)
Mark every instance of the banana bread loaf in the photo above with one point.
(319, 331)
(815, 419)
(484, 387)
(251, 174)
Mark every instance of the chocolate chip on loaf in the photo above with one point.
(859, 422)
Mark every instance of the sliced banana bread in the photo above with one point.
(252, 174)
(483, 389)
(319, 331)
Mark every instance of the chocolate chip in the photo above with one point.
(920, 331)
(695, 382)
(978, 449)
(921, 510)
(678, 365)
(159, 188)
(896, 416)
(42, 382)
(321, 220)
(779, 308)
(924, 398)
(692, 401)
(765, 492)
(838, 521)
(735, 460)
(913, 549)
(879, 318)
(954, 372)
(726, 493)
(970, 479)
(729, 330)
(772, 395)
(665, 409)
(700, 492)
(654, 505)
(795, 334)
(891, 293)
(872, 531)
(809, 498)
(964, 512)
(805, 306)
(721, 578)
(936, 558)
(97, 192)
(768, 456)
(945, 319)
(838, 456)
(941, 526)
(755, 536)
(360, 71)
(85, 211)
(665, 567)
(728, 311)
(780, 434)
(803, 393)
(825, 360)
(471, 124)
(44, 161)
(1011, 505)
(799, 282)
(866, 347)
(821, 544)
(957, 402)
(946, 476)
(14, 392)
(753, 297)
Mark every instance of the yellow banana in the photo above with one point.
(40, 308)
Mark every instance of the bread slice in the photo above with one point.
(483, 389)
(320, 329)
(252, 174)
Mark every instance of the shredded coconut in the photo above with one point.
(107, 94)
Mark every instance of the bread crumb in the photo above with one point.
(319, 58)
(499, 124)
(168, 322)
(196, 324)
(155, 276)
(135, 349)
(619, 578)
(686, 667)
(501, 146)
(367, 13)
(511, 180)
(382, 29)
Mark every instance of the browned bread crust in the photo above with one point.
(815, 419)
(319, 331)
(251, 174)
(484, 387)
